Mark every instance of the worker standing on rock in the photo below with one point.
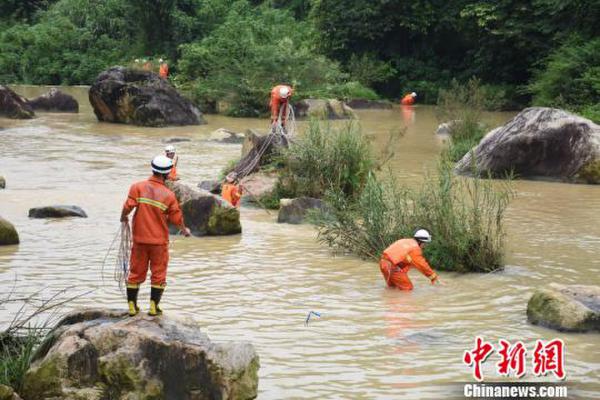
(409, 99)
(231, 190)
(280, 96)
(156, 206)
(170, 153)
(402, 255)
(163, 70)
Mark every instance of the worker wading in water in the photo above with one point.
(409, 99)
(231, 190)
(170, 153)
(156, 206)
(163, 70)
(280, 96)
(401, 256)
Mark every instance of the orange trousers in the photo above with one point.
(393, 276)
(155, 256)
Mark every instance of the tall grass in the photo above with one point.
(464, 216)
(462, 105)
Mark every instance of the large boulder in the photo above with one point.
(539, 142)
(573, 308)
(294, 211)
(55, 100)
(14, 106)
(205, 213)
(212, 186)
(97, 354)
(357, 104)
(257, 185)
(140, 97)
(8, 233)
(59, 211)
(323, 109)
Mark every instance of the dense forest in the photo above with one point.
(541, 52)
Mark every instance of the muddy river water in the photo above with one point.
(370, 342)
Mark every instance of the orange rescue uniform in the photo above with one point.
(156, 206)
(397, 260)
(232, 193)
(407, 100)
(277, 101)
(163, 70)
(173, 174)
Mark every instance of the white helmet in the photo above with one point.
(160, 60)
(422, 235)
(170, 148)
(413, 94)
(284, 92)
(162, 164)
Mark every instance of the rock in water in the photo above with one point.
(57, 212)
(55, 100)
(211, 186)
(2, 182)
(99, 354)
(205, 213)
(14, 106)
(226, 136)
(370, 104)
(325, 109)
(539, 142)
(258, 185)
(573, 308)
(139, 97)
(8, 233)
(294, 211)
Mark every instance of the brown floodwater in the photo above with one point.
(370, 342)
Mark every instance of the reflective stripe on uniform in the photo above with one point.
(151, 202)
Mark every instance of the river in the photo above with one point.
(370, 342)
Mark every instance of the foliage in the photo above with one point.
(571, 77)
(464, 216)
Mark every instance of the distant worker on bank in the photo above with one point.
(163, 70)
(280, 96)
(231, 190)
(409, 99)
(170, 153)
(147, 65)
(401, 256)
(156, 206)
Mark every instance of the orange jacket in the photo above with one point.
(155, 205)
(163, 70)
(408, 100)
(277, 101)
(406, 253)
(173, 174)
(232, 193)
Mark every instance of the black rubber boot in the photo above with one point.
(155, 296)
(132, 294)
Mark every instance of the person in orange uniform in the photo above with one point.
(231, 190)
(409, 99)
(170, 153)
(280, 96)
(163, 70)
(401, 256)
(156, 206)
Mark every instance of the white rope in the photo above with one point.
(123, 256)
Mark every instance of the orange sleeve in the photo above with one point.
(421, 264)
(236, 193)
(174, 213)
(274, 108)
(131, 201)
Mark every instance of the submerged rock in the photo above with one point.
(139, 97)
(55, 100)
(14, 106)
(223, 135)
(59, 211)
(2, 182)
(206, 213)
(539, 142)
(573, 308)
(104, 354)
(8, 233)
(323, 108)
(370, 104)
(294, 211)
(176, 140)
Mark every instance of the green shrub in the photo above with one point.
(15, 357)
(464, 216)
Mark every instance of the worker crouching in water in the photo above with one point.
(156, 206)
(409, 99)
(231, 190)
(401, 256)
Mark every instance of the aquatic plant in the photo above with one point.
(465, 217)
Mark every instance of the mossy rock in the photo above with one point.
(6, 392)
(43, 381)
(224, 221)
(590, 173)
(8, 233)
